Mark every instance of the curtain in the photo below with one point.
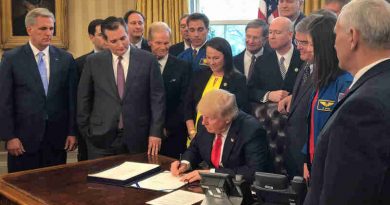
(168, 11)
(312, 5)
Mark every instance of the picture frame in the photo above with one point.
(11, 24)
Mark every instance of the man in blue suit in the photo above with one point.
(38, 84)
(228, 140)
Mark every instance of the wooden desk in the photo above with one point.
(67, 184)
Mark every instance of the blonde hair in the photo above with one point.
(219, 103)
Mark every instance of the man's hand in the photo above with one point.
(178, 168)
(15, 147)
(193, 176)
(306, 173)
(284, 105)
(70, 143)
(277, 95)
(154, 145)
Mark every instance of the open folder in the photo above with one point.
(125, 174)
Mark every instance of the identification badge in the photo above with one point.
(325, 105)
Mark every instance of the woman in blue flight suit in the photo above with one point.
(329, 80)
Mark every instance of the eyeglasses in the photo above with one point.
(301, 43)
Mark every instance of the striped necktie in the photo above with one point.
(282, 67)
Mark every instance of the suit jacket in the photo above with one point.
(145, 45)
(143, 105)
(267, 77)
(176, 77)
(297, 126)
(234, 82)
(176, 49)
(352, 158)
(26, 112)
(245, 149)
(80, 61)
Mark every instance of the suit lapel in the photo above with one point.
(54, 70)
(131, 70)
(208, 143)
(230, 140)
(32, 68)
(169, 69)
(108, 71)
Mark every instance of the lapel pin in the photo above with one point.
(232, 139)
(296, 70)
(225, 84)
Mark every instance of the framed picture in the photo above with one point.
(13, 29)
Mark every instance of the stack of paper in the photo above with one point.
(179, 197)
(163, 181)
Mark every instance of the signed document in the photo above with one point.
(163, 181)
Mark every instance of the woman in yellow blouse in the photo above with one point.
(221, 74)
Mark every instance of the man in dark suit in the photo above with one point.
(135, 21)
(352, 158)
(296, 105)
(177, 48)
(96, 37)
(121, 104)
(274, 75)
(256, 33)
(38, 84)
(291, 9)
(176, 74)
(198, 29)
(335, 5)
(228, 140)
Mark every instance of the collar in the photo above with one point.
(36, 50)
(366, 68)
(249, 54)
(163, 62)
(287, 56)
(225, 133)
(125, 56)
(138, 44)
(198, 48)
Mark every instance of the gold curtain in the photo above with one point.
(168, 11)
(312, 5)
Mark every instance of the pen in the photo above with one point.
(179, 160)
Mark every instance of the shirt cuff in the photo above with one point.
(212, 170)
(187, 163)
(265, 97)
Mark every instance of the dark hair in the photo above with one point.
(325, 12)
(92, 26)
(325, 58)
(112, 23)
(199, 16)
(341, 2)
(183, 17)
(223, 46)
(128, 13)
(258, 23)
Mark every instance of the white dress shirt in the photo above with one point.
(248, 59)
(46, 58)
(138, 44)
(361, 72)
(163, 62)
(287, 57)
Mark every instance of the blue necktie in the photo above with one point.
(43, 71)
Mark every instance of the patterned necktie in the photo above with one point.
(306, 73)
(43, 71)
(216, 151)
(121, 86)
(282, 67)
(251, 67)
(194, 53)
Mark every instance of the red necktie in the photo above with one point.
(311, 136)
(121, 85)
(216, 152)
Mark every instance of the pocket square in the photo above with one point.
(172, 80)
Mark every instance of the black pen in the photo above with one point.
(179, 160)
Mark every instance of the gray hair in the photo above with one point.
(371, 18)
(219, 103)
(303, 25)
(33, 14)
(258, 23)
(156, 27)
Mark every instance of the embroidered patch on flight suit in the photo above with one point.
(203, 61)
(325, 105)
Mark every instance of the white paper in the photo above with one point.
(125, 171)
(163, 181)
(179, 197)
